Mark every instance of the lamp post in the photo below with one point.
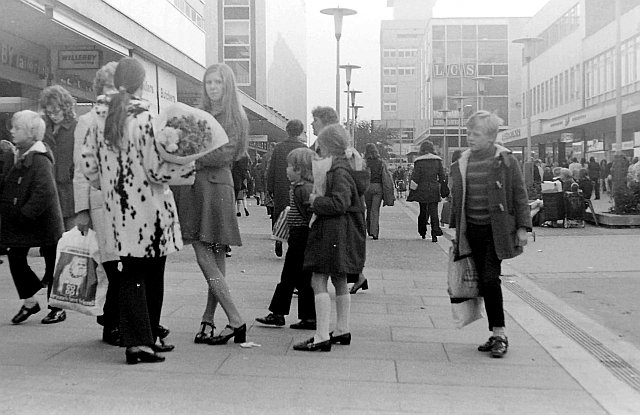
(459, 100)
(338, 13)
(352, 94)
(348, 68)
(355, 109)
(445, 146)
(480, 84)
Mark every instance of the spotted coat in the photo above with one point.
(140, 209)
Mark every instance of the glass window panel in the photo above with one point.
(236, 2)
(438, 33)
(454, 32)
(454, 52)
(236, 33)
(469, 31)
(485, 70)
(492, 32)
(236, 13)
(469, 52)
(499, 85)
(437, 51)
(242, 71)
(439, 87)
(499, 105)
(453, 86)
(501, 69)
(237, 52)
(492, 51)
(468, 87)
(438, 102)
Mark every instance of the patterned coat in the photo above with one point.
(140, 210)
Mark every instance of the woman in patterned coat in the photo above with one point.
(123, 160)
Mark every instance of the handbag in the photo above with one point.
(444, 190)
(466, 310)
(79, 280)
(388, 188)
(445, 214)
(280, 231)
(462, 277)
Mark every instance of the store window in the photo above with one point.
(492, 51)
(438, 52)
(469, 54)
(438, 32)
(454, 32)
(490, 32)
(469, 32)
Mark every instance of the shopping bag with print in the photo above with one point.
(280, 231)
(462, 277)
(466, 310)
(79, 280)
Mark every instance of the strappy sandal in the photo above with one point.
(202, 337)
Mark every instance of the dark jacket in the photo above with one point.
(61, 144)
(429, 174)
(508, 203)
(277, 181)
(594, 170)
(29, 204)
(337, 238)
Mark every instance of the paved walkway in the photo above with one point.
(406, 357)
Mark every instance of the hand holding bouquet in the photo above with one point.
(185, 134)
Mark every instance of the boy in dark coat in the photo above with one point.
(30, 210)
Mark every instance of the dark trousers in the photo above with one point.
(26, 281)
(111, 312)
(430, 209)
(293, 276)
(141, 296)
(488, 265)
(596, 188)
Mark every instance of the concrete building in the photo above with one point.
(64, 42)
(573, 81)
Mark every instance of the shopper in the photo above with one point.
(490, 212)
(373, 195)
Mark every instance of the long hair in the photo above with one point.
(128, 78)
(234, 119)
(371, 151)
(301, 159)
(60, 97)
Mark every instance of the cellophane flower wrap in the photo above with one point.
(184, 134)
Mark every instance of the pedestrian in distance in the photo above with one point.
(373, 195)
(206, 209)
(124, 162)
(336, 243)
(293, 276)
(30, 209)
(490, 213)
(277, 181)
(241, 176)
(594, 173)
(425, 188)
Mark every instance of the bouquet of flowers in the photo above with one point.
(185, 134)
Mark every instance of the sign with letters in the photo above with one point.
(467, 70)
(79, 59)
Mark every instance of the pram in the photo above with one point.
(574, 208)
(401, 188)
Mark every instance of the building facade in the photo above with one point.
(573, 81)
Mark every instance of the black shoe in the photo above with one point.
(271, 320)
(437, 232)
(111, 336)
(375, 238)
(488, 345)
(246, 212)
(304, 325)
(202, 336)
(344, 339)
(364, 286)
(239, 335)
(238, 214)
(434, 239)
(54, 316)
(162, 347)
(423, 235)
(500, 346)
(163, 332)
(310, 346)
(24, 313)
(136, 355)
(278, 249)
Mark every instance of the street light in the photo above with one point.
(338, 13)
(352, 94)
(459, 100)
(527, 51)
(348, 68)
(445, 146)
(355, 122)
(480, 84)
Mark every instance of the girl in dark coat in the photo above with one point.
(428, 176)
(30, 209)
(336, 243)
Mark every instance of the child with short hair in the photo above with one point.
(299, 172)
(30, 209)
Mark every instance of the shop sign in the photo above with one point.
(259, 142)
(79, 59)
(626, 145)
(594, 145)
(636, 139)
(167, 88)
(22, 55)
(566, 137)
(150, 85)
(510, 135)
(467, 70)
(438, 122)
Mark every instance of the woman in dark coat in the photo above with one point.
(428, 176)
(30, 209)
(336, 243)
(491, 215)
(373, 195)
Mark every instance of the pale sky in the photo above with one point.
(360, 45)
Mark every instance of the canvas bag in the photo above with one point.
(79, 280)
(280, 231)
(462, 277)
(466, 310)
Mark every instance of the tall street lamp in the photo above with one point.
(445, 146)
(338, 13)
(459, 100)
(348, 68)
(480, 88)
(355, 109)
(352, 95)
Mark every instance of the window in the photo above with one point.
(236, 33)
(493, 51)
(241, 71)
(469, 32)
(389, 53)
(389, 107)
(189, 12)
(407, 53)
(236, 13)
(438, 32)
(389, 71)
(559, 29)
(390, 89)
(406, 70)
(489, 32)
(236, 2)
(237, 39)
